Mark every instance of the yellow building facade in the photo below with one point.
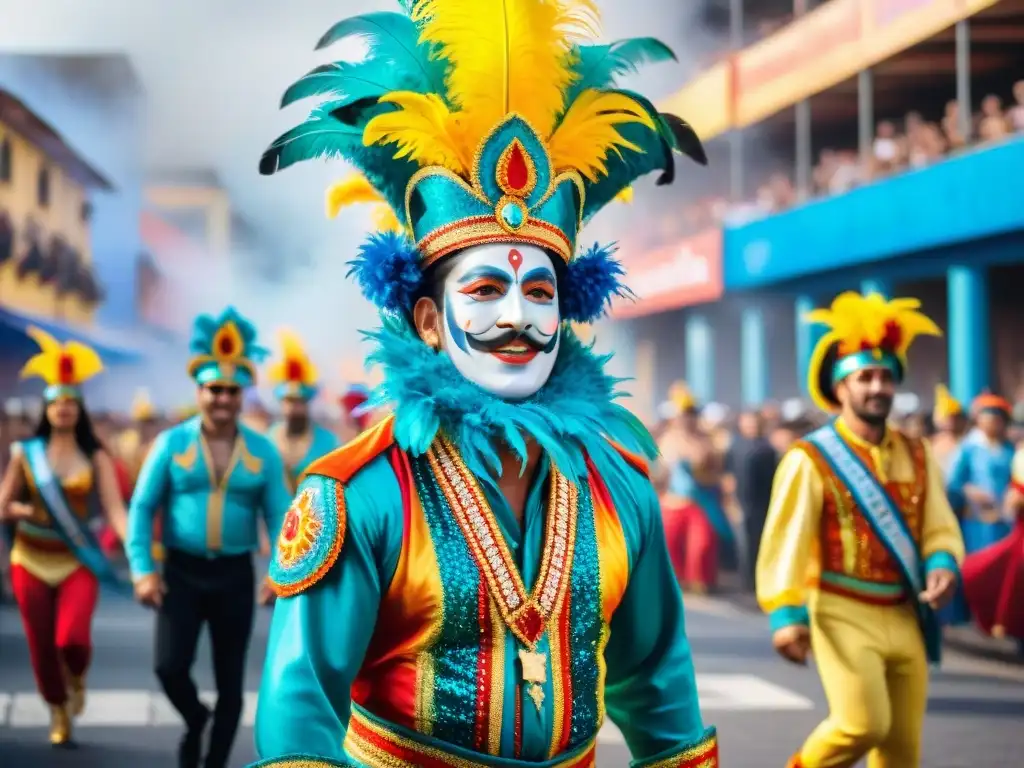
(44, 200)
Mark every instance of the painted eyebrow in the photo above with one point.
(538, 273)
(485, 272)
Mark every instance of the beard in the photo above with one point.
(874, 410)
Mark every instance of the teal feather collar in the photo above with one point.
(572, 417)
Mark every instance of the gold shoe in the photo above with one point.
(76, 696)
(60, 726)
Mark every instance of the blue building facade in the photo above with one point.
(955, 221)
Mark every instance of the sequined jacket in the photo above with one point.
(388, 642)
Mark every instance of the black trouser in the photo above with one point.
(221, 592)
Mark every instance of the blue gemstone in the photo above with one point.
(512, 215)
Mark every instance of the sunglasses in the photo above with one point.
(223, 389)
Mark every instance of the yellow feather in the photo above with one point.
(857, 320)
(625, 196)
(351, 191)
(292, 351)
(506, 56)
(384, 219)
(86, 362)
(424, 130)
(48, 345)
(587, 133)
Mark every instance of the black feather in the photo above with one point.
(686, 139)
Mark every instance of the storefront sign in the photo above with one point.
(686, 273)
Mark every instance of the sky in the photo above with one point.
(213, 72)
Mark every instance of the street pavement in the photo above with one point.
(763, 708)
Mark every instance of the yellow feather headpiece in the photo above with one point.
(65, 365)
(293, 372)
(356, 189)
(484, 121)
(142, 406)
(863, 330)
(681, 397)
(945, 404)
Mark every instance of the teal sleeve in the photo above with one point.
(150, 494)
(276, 496)
(788, 616)
(651, 692)
(319, 637)
(941, 561)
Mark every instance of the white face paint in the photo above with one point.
(500, 316)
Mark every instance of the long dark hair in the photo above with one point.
(85, 433)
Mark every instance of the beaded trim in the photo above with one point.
(376, 744)
(526, 615)
(702, 755)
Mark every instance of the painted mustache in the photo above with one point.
(492, 345)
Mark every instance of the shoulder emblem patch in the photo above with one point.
(311, 536)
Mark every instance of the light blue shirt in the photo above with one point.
(201, 517)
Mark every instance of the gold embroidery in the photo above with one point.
(187, 459)
(215, 502)
(252, 464)
(558, 693)
(487, 229)
(847, 532)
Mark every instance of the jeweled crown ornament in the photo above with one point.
(64, 367)
(480, 121)
(294, 374)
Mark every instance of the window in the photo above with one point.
(43, 188)
(5, 159)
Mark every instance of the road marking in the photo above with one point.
(141, 709)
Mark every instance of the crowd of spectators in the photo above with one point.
(911, 143)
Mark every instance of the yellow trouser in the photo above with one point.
(874, 670)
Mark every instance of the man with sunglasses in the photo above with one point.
(213, 478)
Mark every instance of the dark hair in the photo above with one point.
(85, 434)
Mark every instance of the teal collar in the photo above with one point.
(572, 417)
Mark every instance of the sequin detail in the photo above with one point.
(586, 628)
(526, 615)
(311, 538)
(454, 657)
(704, 754)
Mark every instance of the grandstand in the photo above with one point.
(873, 144)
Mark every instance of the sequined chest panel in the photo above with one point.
(848, 545)
(495, 645)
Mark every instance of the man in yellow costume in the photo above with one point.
(860, 546)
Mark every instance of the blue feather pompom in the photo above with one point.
(590, 282)
(388, 271)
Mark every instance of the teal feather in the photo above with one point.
(393, 41)
(571, 418)
(350, 81)
(335, 130)
(598, 66)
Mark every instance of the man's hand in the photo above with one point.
(150, 590)
(266, 595)
(940, 588)
(19, 510)
(793, 643)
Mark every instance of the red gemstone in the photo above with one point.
(530, 623)
(225, 345)
(516, 172)
(294, 372)
(290, 528)
(66, 369)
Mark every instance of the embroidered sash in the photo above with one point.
(73, 531)
(884, 516)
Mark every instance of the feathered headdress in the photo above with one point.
(142, 406)
(681, 397)
(946, 406)
(864, 331)
(224, 349)
(293, 375)
(64, 367)
(481, 121)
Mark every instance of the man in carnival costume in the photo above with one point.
(859, 512)
(473, 580)
(212, 478)
(298, 438)
(354, 407)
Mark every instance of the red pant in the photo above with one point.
(692, 545)
(58, 627)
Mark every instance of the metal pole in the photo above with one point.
(963, 76)
(803, 149)
(737, 178)
(865, 115)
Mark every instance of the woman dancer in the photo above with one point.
(53, 484)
